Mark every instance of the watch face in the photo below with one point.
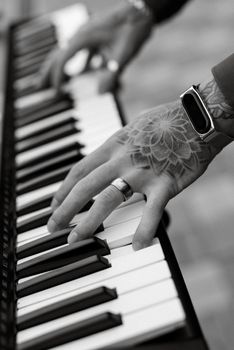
(196, 113)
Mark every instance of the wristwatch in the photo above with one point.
(201, 119)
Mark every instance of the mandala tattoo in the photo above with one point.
(163, 140)
(214, 98)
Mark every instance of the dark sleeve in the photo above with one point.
(223, 73)
(164, 9)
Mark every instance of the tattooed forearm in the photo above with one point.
(163, 140)
(215, 101)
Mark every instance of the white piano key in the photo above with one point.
(125, 282)
(114, 236)
(45, 149)
(27, 130)
(28, 197)
(33, 214)
(122, 214)
(137, 327)
(124, 304)
(120, 265)
(35, 98)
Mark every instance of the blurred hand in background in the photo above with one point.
(118, 35)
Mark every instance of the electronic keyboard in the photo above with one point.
(93, 294)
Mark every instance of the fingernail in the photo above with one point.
(51, 226)
(137, 245)
(54, 204)
(73, 237)
(140, 245)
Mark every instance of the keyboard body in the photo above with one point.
(16, 196)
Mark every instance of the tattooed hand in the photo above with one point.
(159, 154)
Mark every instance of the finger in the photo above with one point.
(82, 192)
(104, 204)
(79, 171)
(152, 214)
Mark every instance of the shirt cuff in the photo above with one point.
(223, 74)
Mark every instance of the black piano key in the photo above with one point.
(30, 69)
(47, 166)
(44, 113)
(34, 222)
(63, 274)
(65, 307)
(47, 128)
(30, 27)
(41, 105)
(48, 242)
(33, 62)
(49, 42)
(42, 203)
(39, 54)
(74, 331)
(49, 156)
(62, 256)
(35, 205)
(42, 34)
(44, 180)
(47, 137)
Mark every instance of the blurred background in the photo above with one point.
(180, 53)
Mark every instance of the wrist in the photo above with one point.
(221, 112)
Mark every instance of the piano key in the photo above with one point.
(42, 125)
(124, 283)
(36, 98)
(57, 133)
(28, 105)
(137, 327)
(116, 235)
(42, 152)
(24, 60)
(31, 69)
(27, 198)
(37, 214)
(31, 27)
(43, 244)
(79, 302)
(25, 85)
(76, 331)
(35, 131)
(35, 205)
(44, 180)
(120, 266)
(43, 113)
(62, 257)
(40, 35)
(120, 215)
(37, 220)
(49, 42)
(48, 165)
(62, 149)
(63, 274)
(27, 61)
(124, 304)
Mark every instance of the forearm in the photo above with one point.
(164, 9)
(217, 92)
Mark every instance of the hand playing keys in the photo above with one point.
(159, 154)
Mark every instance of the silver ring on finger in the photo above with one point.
(121, 185)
